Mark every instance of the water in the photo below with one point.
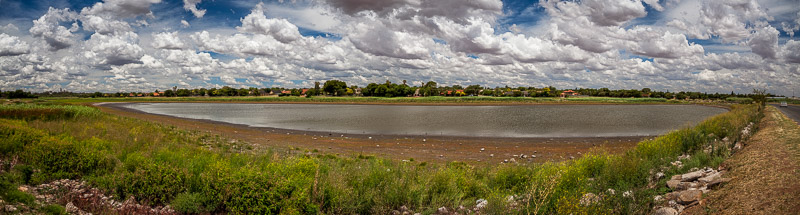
(483, 121)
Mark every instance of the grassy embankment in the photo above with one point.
(197, 172)
(379, 100)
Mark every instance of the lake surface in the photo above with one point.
(483, 121)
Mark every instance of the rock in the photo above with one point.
(692, 176)
(627, 194)
(659, 175)
(482, 149)
(686, 186)
(395, 212)
(22, 188)
(673, 184)
(512, 160)
(131, 201)
(671, 196)
(611, 191)
(709, 178)
(665, 211)
(676, 177)
(715, 183)
(442, 210)
(589, 199)
(10, 208)
(72, 209)
(403, 208)
(689, 196)
(658, 198)
(480, 204)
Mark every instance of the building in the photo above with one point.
(569, 93)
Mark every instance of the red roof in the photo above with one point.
(304, 91)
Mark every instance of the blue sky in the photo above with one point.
(142, 45)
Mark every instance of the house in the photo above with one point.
(155, 94)
(416, 93)
(286, 92)
(304, 91)
(569, 93)
(276, 92)
(357, 91)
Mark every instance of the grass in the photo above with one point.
(379, 100)
(196, 172)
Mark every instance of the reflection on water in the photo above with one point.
(488, 121)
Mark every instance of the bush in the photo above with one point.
(54, 210)
(191, 203)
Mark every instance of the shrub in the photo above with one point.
(54, 210)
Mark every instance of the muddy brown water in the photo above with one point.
(464, 121)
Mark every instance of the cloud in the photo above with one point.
(191, 5)
(281, 29)
(103, 25)
(48, 27)
(113, 50)
(791, 51)
(707, 45)
(764, 42)
(121, 8)
(12, 46)
(167, 40)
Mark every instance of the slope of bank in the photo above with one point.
(764, 173)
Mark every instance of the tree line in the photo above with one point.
(389, 89)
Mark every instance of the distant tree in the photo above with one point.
(316, 88)
(335, 87)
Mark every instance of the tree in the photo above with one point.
(335, 87)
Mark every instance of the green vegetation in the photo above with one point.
(196, 172)
(381, 100)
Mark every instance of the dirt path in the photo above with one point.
(421, 148)
(766, 173)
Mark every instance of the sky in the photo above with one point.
(144, 45)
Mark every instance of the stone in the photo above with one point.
(673, 184)
(627, 194)
(512, 160)
(692, 176)
(671, 196)
(395, 212)
(72, 209)
(480, 204)
(659, 175)
(665, 211)
(676, 177)
(22, 188)
(589, 199)
(715, 183)
(403, 208)
(10, 208)
(442, 210)
(686, 186)
(709, 178)
(658, 198)
(690, 196)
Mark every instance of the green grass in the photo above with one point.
(411, 100)
(197, 172)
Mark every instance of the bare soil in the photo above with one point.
(420, 148)
(765, 173)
